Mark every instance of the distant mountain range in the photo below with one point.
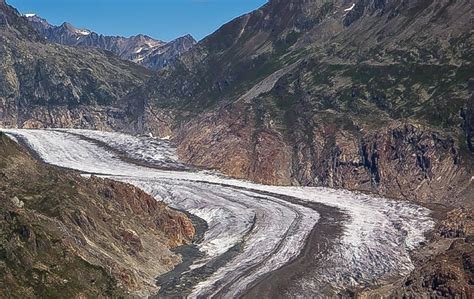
(41, 80)
(149, 52)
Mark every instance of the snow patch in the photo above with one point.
(82, 32)
(350, 8)
(12, 137)
(30, 15)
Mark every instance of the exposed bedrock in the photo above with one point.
(468, 116)
(401, 160)
(63, 235)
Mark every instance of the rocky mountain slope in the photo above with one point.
(51, 85)
(367, 95)
(63, 235)
(144, 50)
(370, 95)
(443, 268)
(333, 93)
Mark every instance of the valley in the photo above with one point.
(266, 226)
(308, 148)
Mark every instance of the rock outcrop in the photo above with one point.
(64, 235)
(444, 267)
(401, 161)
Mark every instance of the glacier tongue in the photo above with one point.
(375, 244)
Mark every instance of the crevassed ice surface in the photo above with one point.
(152, 150)
(375, 244)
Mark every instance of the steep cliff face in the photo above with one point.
(468, 115)
(335, 93)
(144, 50)
(401, 160)
(63, 235)
(45, 85)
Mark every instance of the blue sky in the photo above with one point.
(161, 19)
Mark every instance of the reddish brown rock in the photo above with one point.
(93, 237)
(403, 160)
(444, 266)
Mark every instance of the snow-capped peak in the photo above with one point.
(30, 15)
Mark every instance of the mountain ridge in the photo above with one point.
(45, 84)
(142, 49)
(299, 92)
(367, 95)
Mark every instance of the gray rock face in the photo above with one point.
(165, 55)
(50, 85)
(141, 49)
(468, 115)
(9, 19)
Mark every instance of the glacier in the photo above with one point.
(377, 237)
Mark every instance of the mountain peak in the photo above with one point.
(36, 20)
(68, 26)
(189, 37)
(12, 20)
